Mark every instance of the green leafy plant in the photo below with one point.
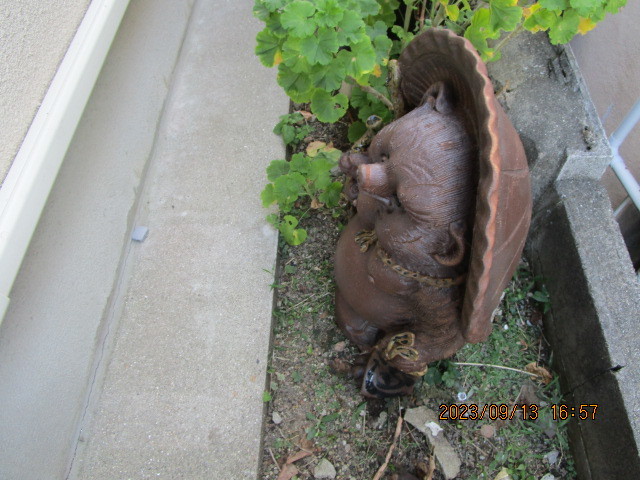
(292, 128)
(306, 176)
(563, 19)
(319, 46)
(442, 372)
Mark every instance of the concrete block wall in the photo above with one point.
(576, 247)
(609, 61)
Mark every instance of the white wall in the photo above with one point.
(34, 36)
(61, 306)
(609, 57)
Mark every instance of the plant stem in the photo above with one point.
(467, 364)
(517, 30)
(432, 11)
(374, 92)
(422, 11)
(440, 15)
(407, 14)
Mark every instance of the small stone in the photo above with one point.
(548, 476)
(552, 457)
(487, 431)
(340, 346)
(324, 469)
(382, 420)
(503, 475)
(277, 419)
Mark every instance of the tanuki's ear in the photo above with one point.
(439, 97)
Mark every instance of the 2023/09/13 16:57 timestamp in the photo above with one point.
(503, 411)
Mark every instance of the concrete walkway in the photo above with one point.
(180, 389)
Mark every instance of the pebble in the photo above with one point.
(277, 419)
(324, 469)
(382, 420)
(487, 431)
(552, 456)
(503, 475)
(340, 346)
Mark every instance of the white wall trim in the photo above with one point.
(25, 190)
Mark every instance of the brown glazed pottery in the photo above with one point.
(443, 208)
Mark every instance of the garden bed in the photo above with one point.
(317, 418)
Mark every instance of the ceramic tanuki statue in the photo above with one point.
(443, 207)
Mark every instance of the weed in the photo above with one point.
(304, 177)
(293, 128)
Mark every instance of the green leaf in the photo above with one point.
(331, 196)
(376, 30)
(260, 11)
(329, 13)
(331, 154)
(541, 19)
(368, 7)
(293, 82)
(319, 48)
(320, 172)
(351, 28)
(292, 235)
(292, 56)
(554, 4)
(296, 18)
(382, 45)
(504, 15)
(330, 418)
(404, 36)
(586, 8)
(312, 433)
(387, 13)
(274, 26)
(276, 169)
(288, 134)
(452, 11)
(328, 108)
(539, 296)
(328, 78)
(565, 28)
(268, 45)
(361, 59)
(368, 105)
(356, 130)
(268, 195)
(480, 30)
(613, 6)
(300, 163)
(266, 396)
(274, 5)
(288, 189)
(273, 219)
